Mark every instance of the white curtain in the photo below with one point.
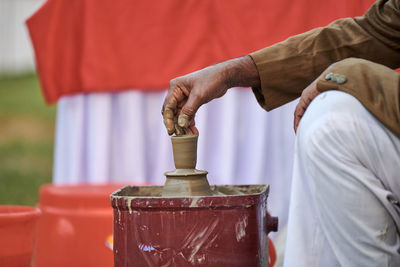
(120, 137)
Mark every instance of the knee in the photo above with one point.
(313, 126)
(311, 138)
(330, 123)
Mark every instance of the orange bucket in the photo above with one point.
(76, 226)
(17, 232)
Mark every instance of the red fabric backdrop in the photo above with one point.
(105, 45)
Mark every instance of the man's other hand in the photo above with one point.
(306, 97)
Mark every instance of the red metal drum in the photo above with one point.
(229, 229)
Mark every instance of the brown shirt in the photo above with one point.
(367, 47)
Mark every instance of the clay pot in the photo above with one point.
(187, 184)
(186, 180)
(184, 148)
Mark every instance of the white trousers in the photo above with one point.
(346, 183)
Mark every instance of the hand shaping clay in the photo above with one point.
(186, 180)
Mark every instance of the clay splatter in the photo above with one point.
(119, 216)
(193, 204)
(240, 228)
(130, 205)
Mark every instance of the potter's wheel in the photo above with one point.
(186, 223)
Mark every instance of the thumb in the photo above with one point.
(189, 110)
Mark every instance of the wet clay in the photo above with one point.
(217, 190)
(186, 180)
(184, 149)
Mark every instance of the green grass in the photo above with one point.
(26, 139)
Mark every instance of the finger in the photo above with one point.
(181, 104)
(168, 116)
(193, 128)
(314, 95)
(170, 107)
(189, 110)
(305, 101)
(298, 114)
(170, 102)
(295, 120)
(169, 125)
(179, 130)
(189, 131)
(168, 111)
(184, 120)
(296, 123)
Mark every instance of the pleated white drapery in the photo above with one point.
(120, 137)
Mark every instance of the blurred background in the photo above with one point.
(31, 154)
(26, 123)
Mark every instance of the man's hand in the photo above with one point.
(307, 96)
(187, 93)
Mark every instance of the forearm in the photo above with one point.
(242, 72)
(288, 67)
(237, 72)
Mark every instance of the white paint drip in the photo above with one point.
(240, 228)
(130, 205)
(193, 204)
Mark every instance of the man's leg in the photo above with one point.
(346, 181)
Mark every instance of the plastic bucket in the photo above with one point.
(17, 233)
(76, 226)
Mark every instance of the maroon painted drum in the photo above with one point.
(228, 229)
